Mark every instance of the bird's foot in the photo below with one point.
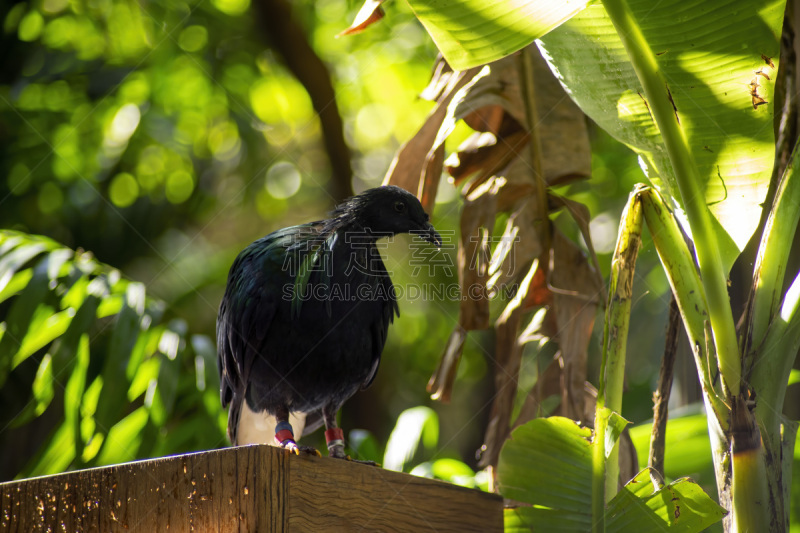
(284, 436)
(299, 449)
(308, 450)
(339, 454)
(335, 438)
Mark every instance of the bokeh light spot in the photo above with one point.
(54, 6)
(603, 229)
(136, 88)
(19, 179)
(223, 140)
(30, 27)
(280, 99)
(193, 38)
(283, 180)
(124, 190)
(374, 125)
(50, 198)
(179, 186)
(231, 7)
(124, 124)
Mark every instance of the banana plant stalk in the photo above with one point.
(772, 339)
(659, 99)
(608, 423)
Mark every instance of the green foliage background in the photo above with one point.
(158, 140)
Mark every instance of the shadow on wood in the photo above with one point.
(248, 488)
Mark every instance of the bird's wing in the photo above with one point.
(250, 302)
(380, 328)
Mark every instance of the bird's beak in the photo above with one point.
(430, 234)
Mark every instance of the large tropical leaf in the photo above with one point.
(474, 32)
(547, 464)
(719, 60)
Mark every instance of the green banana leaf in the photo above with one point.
(547, 464)
(473, 32)
(719, 58)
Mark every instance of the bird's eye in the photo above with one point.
(399, 206)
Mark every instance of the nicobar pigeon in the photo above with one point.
(305, 316)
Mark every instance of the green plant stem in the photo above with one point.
(528, 88)
(773, 254)
(688, 290)
(688, 177)
(605, 467)
(773, 334)
(599, 471)
(751, 510)
(770, 352)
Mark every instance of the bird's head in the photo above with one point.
(389, 210)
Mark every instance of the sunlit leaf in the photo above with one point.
(415, 425)
(679, 506)
(45, 327)
(15, 284)
(124, 438)
(616, 424)
(19, 317)
(547, 462)
(43, 384)
(364, 446)
(123, 339)
(474, 32)
(731, 139)
(687, 449)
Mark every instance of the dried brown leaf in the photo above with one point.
(576, 296)
(477, 223)
(562, 126)
(487, 119)
(508, 357)
(429, 183)
(440, 385)
(411, 162)
(538, 293)
(370, 13)
(440, 77)
(580, 214)
(482, 155)
(518, 246)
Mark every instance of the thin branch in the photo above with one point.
(288, 38)
(655, 459)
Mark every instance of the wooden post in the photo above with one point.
(248, 488)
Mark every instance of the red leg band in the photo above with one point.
(284, 435)
(334, 434)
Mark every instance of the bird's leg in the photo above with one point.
(284, 434)
(334, 435)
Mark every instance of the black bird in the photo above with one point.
(305, 316)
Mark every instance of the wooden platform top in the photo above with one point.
(247, 488)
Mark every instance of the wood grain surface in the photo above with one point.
(243, 489)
